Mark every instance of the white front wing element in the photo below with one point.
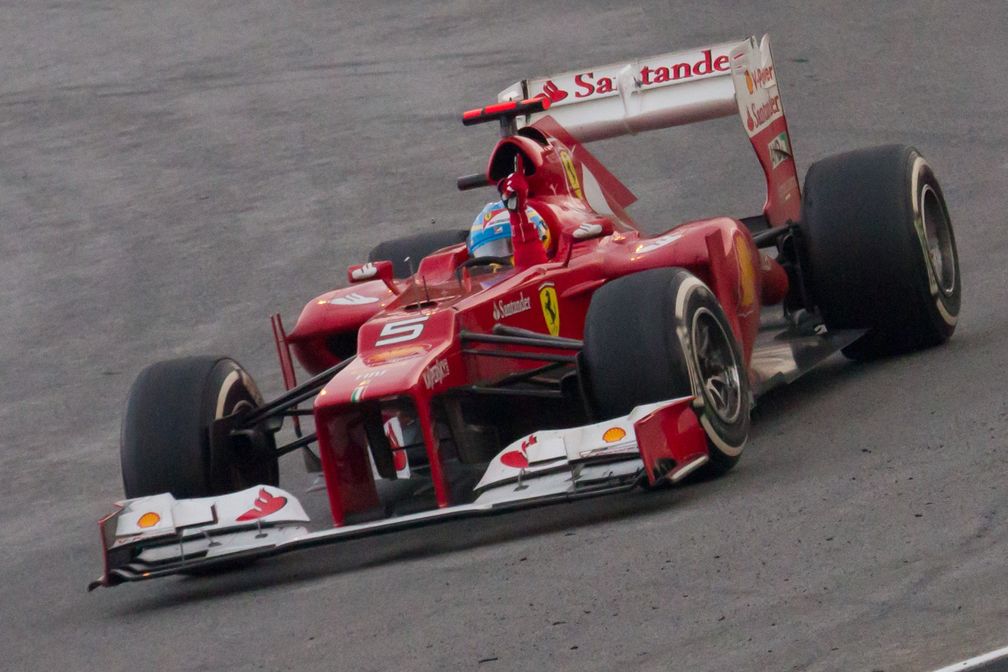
(160, 515)
(160, 535)
(570, 450)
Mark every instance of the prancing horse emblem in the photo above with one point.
(550, 308)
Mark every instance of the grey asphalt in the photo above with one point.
(172, 172)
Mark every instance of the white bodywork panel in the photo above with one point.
(641, 95)
(550, 450)
(160, 515)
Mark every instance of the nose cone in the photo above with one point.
(408, 353)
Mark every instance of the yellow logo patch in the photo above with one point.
(149, 519)
(550, 308)
(747, 273)
(571, 173)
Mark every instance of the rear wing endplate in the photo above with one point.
(674, 89)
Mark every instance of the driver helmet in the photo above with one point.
(490, 234)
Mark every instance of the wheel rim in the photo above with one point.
(235, 472)
(234, 467)
(716, 366)
(938, 236)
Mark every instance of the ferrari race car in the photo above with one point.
(553, 351)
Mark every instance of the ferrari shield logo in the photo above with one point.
(550, 308)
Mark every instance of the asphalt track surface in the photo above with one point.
(171, 173)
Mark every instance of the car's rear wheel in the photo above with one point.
(170, 442)
(405, 253)
(880, 250)
(661, 334)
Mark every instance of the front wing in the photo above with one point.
(157, 536)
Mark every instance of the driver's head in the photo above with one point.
(490, 234)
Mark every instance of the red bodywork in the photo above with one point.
(407, 333)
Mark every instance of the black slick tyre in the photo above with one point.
(414, 248)
(168, 442)
(661, 334)
(880, 253)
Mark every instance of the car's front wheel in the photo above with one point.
(661, 334)
(170, 439)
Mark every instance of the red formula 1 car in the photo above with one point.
(553, 351)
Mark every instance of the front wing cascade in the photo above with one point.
(157, 536)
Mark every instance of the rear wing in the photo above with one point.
(675, 89)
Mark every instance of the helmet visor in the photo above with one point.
(500, 247)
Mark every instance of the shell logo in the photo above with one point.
(613, 434)
(149, 519)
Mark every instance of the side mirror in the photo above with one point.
(373, 270)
